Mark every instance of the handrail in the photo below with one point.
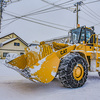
(96, 44)
(97, 47)
(89, 38)
(93, 35)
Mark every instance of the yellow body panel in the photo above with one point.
(64, 51)
(58, 46)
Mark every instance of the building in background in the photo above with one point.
(11, 43)
(61, 39)
(34, 43)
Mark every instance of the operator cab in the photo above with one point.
(81, 34)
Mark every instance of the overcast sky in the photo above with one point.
(30, 31)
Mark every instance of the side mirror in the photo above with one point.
(92, 28)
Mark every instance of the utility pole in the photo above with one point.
(3, 4)
(77, 14)
(76, 11)
(1, 9)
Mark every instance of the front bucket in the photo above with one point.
(43, 71)
(46, 69)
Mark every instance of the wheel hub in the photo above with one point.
(78, 72)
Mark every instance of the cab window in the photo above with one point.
(82, 37)
(88, 35)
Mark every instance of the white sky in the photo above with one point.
(32, 31)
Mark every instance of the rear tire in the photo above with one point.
(99, 73)
(73, 71)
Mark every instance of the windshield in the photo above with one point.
(75, 35)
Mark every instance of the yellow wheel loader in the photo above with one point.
(70, 61)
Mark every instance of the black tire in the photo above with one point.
(99, 73)
(66, 68)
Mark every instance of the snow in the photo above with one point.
(34, 48)
(36, 68)
(2, 35)
(11, 56)
(1, 44)
(8, 41)
(53, 73)
(15, 87)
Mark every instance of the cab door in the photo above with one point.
(89, 40)
(89, 33)
(82, 35)
(85, 35)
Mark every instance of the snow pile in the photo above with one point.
(34, 48)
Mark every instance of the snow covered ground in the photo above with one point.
(15, 87)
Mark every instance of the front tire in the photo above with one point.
(99, 73)
(73, 71)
